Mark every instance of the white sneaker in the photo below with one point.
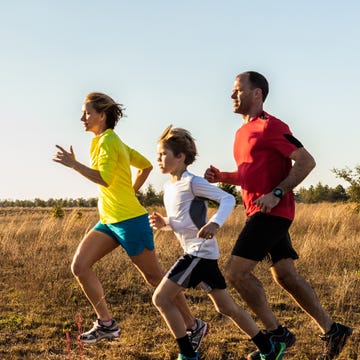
(100, 331)
(196, 335)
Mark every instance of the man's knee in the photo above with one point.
(239, 269)
(286, 278)
(235, 277)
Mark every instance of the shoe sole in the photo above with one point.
(345, 338)
(291, 343)
(207, 328)
(109, 337)
(283, 348)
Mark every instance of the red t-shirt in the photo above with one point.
(261, 150)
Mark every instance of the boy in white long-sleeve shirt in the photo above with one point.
(185, 199)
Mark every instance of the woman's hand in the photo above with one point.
(68, 159)
(64, 157)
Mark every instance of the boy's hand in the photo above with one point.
(208, 231)
(156, 221)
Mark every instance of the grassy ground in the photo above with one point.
(41, 303)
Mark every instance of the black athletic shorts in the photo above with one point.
(264, 236)
(190, 271)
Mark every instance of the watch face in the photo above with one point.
(278, 192)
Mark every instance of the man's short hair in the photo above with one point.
(258, 81)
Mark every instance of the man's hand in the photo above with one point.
(267, 202)
(212, 174)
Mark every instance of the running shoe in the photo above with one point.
(100, 331)
(334, 342)
(277, 352)
(196, 335)
(286, 337)
(183, 357)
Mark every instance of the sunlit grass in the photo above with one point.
(41, 301)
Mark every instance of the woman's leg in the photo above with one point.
(148, 265)
(94, 246)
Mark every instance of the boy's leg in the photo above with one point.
(163, 299)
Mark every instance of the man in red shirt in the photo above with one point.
(271, 162)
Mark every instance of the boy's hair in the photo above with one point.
(179, 140)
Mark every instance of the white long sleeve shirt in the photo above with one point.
(186, 208)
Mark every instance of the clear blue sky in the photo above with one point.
(172, 62)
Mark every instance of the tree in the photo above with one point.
(352, 176)
(338, 194)
(305, 195)
(39, 203)
(231, 189)
(150, 197)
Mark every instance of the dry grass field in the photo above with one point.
(40, 301)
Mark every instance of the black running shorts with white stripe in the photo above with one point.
(190, 271)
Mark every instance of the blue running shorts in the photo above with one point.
(133, 234)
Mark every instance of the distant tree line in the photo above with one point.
(324, 193)
(149, 196)
(321, 193)
(80, 202)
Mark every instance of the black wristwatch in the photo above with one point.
(278, 192)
